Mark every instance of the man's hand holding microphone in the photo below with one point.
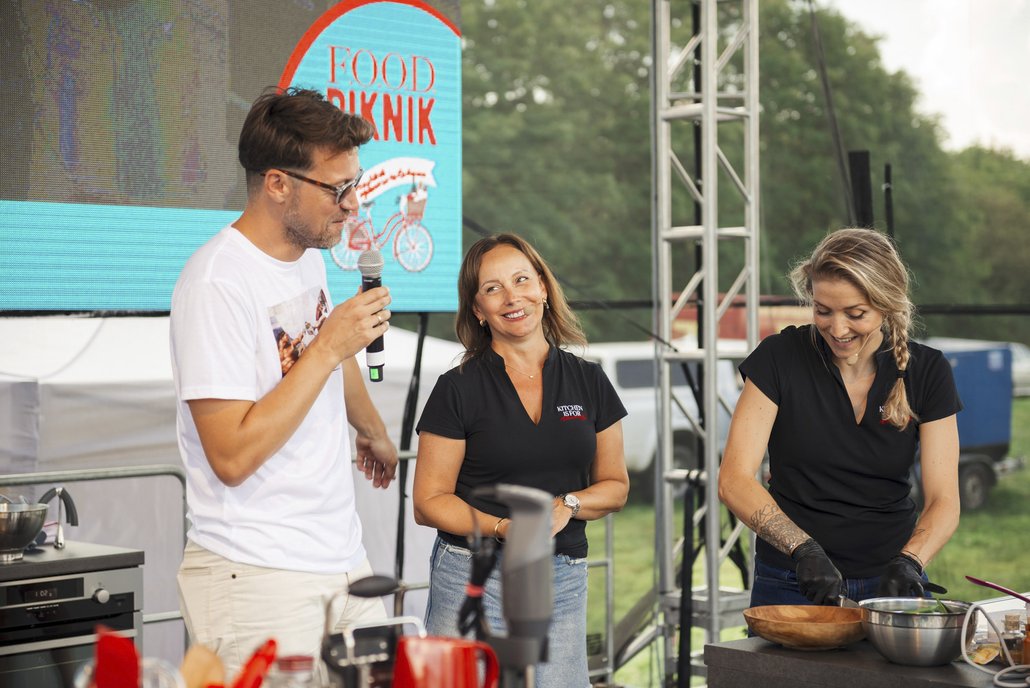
(356, 323)
(370, 263)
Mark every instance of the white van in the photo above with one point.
(632, 368)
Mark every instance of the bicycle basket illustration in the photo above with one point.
(412, 242)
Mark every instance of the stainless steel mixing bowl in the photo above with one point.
(915, 631)
(19, 526)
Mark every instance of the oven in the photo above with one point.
(51, 602)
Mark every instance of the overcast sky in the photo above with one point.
(970, 59)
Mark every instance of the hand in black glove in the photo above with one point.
(902, 578)
(818, 579)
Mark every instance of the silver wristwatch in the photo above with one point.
(571, 501)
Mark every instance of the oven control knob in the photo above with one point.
(101, 595)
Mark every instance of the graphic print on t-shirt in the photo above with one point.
(296, 322)
(571, 412)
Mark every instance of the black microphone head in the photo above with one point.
(373, 586)
(370, 263)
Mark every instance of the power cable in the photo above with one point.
(75, 357)
(831, 115)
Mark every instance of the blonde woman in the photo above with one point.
(843, 405)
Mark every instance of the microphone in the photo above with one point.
(853, 358)
(370, 263)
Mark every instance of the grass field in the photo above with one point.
(990, 544)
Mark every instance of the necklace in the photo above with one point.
(519, 371)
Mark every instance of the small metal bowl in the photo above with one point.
(19, 526)
(806, 627)
(914, 630)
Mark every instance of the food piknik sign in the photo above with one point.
(397, 63)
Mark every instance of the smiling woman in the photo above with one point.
(841, 406)
(519, 410)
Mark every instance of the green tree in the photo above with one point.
(556, 140)
(994, 197)
(556, 111)
(875, 110)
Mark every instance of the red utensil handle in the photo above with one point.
(253, 672)
(1000, 588)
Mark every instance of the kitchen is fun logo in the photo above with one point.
(571, 412)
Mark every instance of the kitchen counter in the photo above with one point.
(76, 557)
(757, 663)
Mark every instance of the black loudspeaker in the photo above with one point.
(861, 187)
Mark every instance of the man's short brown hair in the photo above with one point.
(285, 127)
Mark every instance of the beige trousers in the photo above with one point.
(234, 608)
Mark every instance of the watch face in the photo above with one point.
(571, 501)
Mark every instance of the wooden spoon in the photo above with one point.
(201, 667)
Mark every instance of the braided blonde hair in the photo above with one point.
(868, 260)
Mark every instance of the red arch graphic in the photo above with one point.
(334, 13)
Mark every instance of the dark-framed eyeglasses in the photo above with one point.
(340, 190)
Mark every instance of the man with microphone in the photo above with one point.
(262, 405)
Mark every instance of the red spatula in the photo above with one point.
(116, 664)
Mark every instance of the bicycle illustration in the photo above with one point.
(412, 245)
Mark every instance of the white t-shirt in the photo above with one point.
(239, 319)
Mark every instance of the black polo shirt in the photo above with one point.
(844, 483)
(478, 403)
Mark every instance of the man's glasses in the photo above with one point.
(340, 191)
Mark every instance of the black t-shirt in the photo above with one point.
(478, 403)
(844, 483)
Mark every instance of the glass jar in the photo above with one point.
(293, 671)
(1013, 634)
(1026, 636)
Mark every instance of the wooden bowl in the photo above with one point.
(806, 627)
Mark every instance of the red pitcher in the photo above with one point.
(435, 661)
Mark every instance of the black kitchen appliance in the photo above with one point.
(51, 601)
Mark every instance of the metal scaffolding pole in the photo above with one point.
(705, 78)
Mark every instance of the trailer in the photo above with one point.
(983, 376)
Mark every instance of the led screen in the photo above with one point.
(119, 121)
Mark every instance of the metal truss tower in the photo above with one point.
(705, 212)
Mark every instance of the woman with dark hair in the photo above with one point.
(843, 405)
(519, 410)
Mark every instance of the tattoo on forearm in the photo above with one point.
(773, 526)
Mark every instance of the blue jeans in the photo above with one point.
(567, 650)
(780, 586)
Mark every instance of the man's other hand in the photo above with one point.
(377, 459)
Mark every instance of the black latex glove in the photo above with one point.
(818, 579)
(903, 577)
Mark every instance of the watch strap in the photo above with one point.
(574, 506)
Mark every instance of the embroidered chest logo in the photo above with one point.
(571, 412)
